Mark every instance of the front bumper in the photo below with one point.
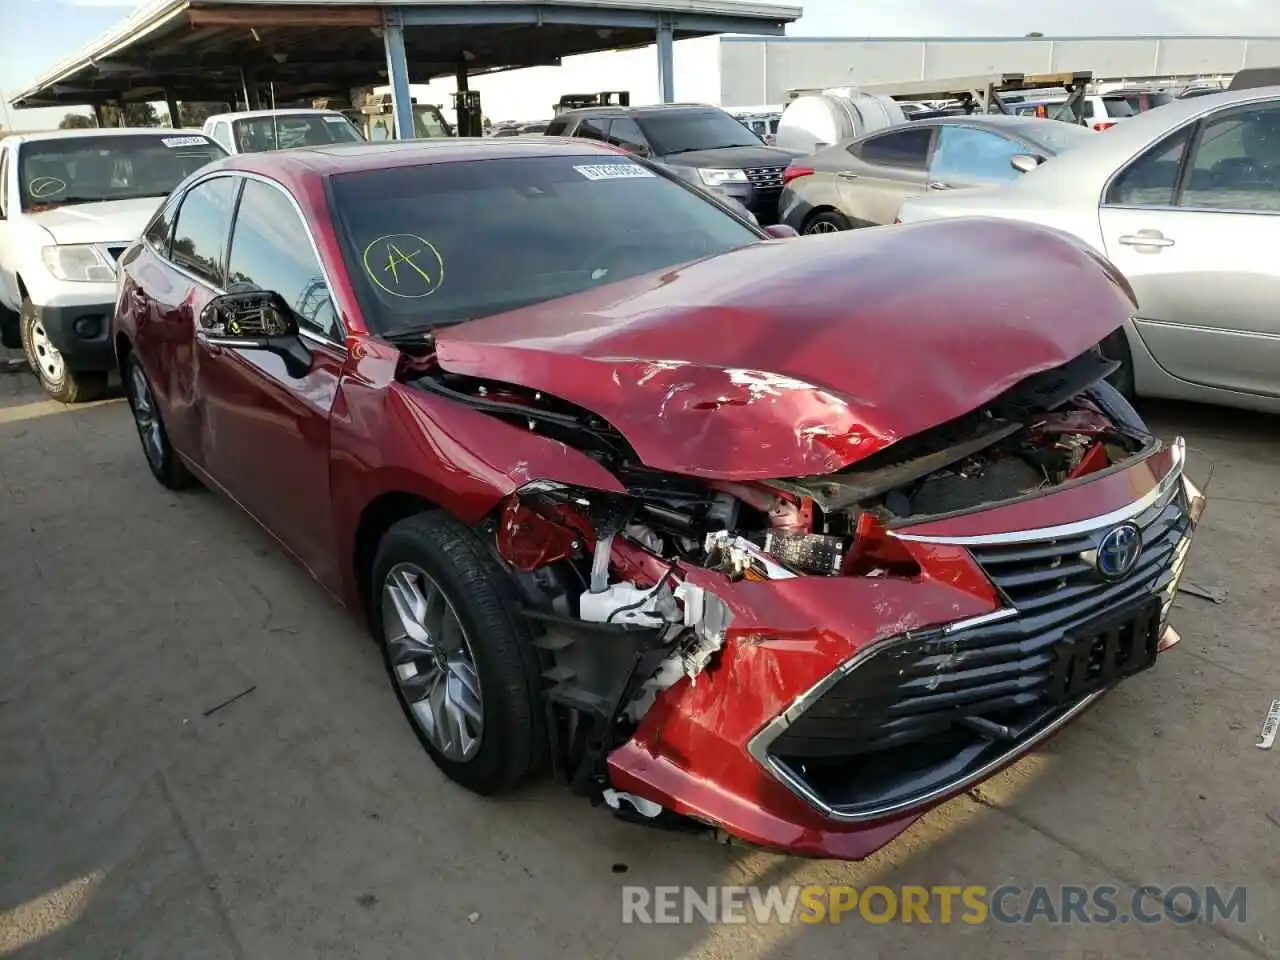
(82, 334)
(844, 708)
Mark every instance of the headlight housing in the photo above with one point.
(78, 263)
(718, 178)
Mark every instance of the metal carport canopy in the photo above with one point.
(210, 50)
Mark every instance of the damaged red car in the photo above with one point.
(793, 538)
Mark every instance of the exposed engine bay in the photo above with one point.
(604, 577)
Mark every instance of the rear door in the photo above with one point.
(265, 427)
(885, 168)
(182, 269)
(1194, 223)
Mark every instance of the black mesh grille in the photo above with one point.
(928, 707)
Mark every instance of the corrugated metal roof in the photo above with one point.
(153, 16)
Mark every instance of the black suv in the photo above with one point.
(702, 144)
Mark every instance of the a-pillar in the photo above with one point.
(398, 75)
(666, 60)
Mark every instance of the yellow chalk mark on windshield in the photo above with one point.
(400, 273)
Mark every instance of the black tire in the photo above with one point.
(59, 381)
(10, 331)
(1116, 347)
(514, 742)
(829, 221)
(163, 463)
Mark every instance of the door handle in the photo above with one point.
(939, 185)
(1145, 238)
(846, 175)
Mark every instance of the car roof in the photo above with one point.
(282, 112)
(328, 160)
(82, 132)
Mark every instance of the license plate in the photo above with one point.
(1110, 648)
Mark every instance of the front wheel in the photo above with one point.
(830, 221)
(458, 653)
(58, 380)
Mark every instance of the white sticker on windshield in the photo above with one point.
(341, 120)
(614, 171)
(184, 141)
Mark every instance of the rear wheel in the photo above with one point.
(829, 221)
(458, 653)
(161, 460)
(58, 380)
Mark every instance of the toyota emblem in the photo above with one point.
(1118, 552)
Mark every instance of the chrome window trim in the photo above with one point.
(1166, 487)
(315, 249)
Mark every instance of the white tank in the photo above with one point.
(813, 121)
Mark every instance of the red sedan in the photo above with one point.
(793, 537)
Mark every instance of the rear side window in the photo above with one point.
(1235, 163)
(200, 234)
(1119, 107)
(625, 133)
(906, 148)
(1151, 180)
(557, 127)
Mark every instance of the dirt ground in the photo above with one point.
(303, 819)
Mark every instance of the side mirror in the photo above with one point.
(780, 231)
(257, 320)
(1025, 162)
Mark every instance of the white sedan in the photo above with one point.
(1185, 201)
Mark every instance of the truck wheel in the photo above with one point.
(161, 460)
(830, 221)
(458, 653)
(50, 367)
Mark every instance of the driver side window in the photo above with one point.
(1236, 162)
(1151, 180)
(271, 250)
(968, 155)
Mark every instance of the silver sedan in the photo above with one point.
(1185, 201)
(862, 182)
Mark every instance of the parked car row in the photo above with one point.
(570, 434)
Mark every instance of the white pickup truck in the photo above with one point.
(71, 201)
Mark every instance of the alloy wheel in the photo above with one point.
(145, 417)
(432, 662)
(822, 226)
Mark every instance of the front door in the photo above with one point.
(1194, 224)
(266, 427)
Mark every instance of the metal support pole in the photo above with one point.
(398, 76)
(175, 115)
(460, 76)
(666, 61)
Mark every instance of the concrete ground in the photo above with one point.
(303, 820)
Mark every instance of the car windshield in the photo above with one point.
(428, 122)
(683, 131)
(1053, 136)
(282, 131)
(98, 168)
(439, 243)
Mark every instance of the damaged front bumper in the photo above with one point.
(840, 710)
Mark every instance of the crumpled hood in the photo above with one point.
(800, 357)
(109, 222)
